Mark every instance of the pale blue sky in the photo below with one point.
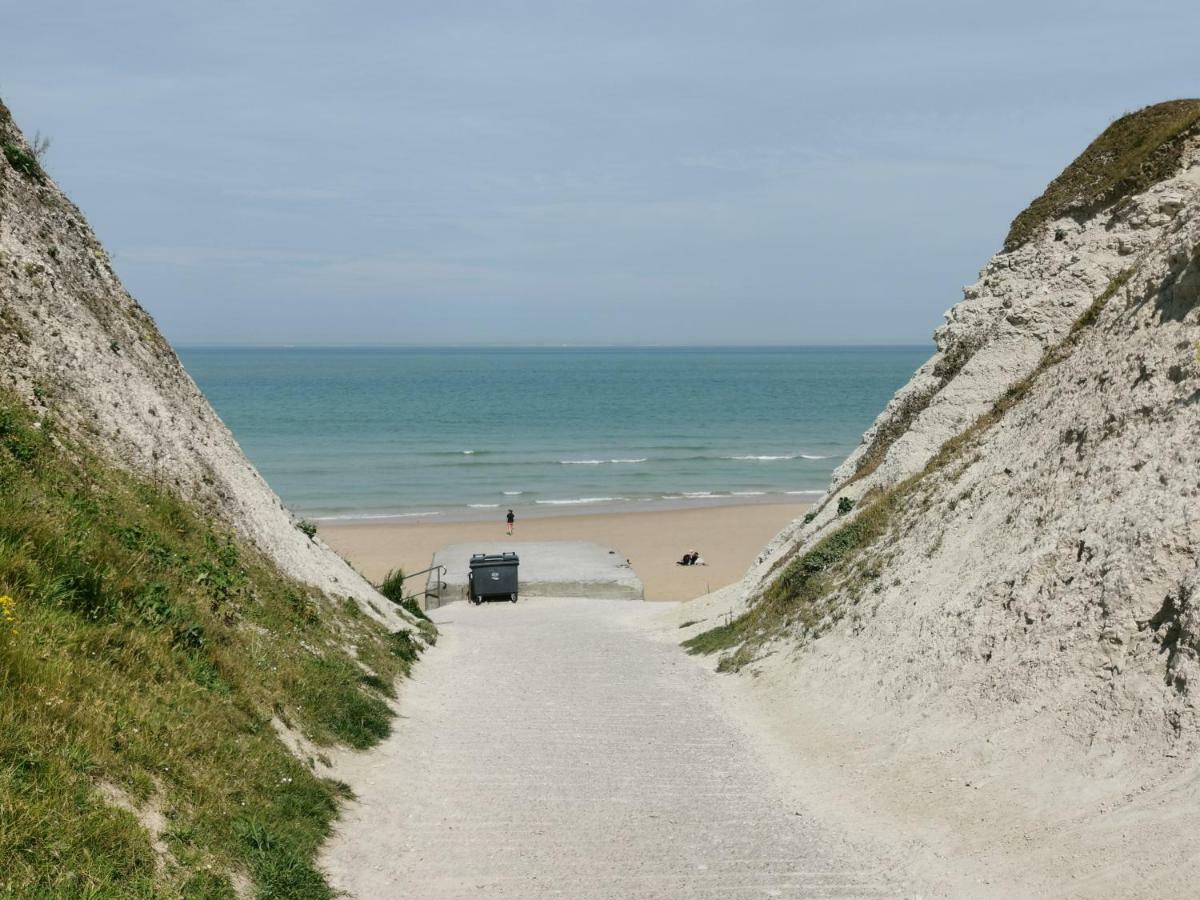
(603, 172)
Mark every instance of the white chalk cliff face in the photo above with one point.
(1051, 564)
(75, 343)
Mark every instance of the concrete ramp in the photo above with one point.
(548, 569)
(563, 750)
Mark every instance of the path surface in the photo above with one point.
(555, 748)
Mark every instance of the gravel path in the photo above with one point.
(556, 749)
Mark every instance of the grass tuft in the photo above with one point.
(392, 586)
(414, 609)
(23, 161)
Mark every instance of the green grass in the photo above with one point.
(151, 650)
(410, 604)
(23, 161)
(392, 585)
(720, 638)
(800, 597)
(13, 148)
(817, 587)
(1134, 152)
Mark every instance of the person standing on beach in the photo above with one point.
(510, 518)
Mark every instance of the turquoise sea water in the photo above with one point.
(460, 432)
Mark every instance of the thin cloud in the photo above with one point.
(571, 172)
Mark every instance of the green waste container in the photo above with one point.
(493, 576)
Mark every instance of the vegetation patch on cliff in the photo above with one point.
(1134, 152)
(804, 597)
(144, 652)
(952, 361)
(23, 161)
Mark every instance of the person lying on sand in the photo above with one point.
(691, 558)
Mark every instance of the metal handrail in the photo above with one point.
(425, 594)
(423, 571)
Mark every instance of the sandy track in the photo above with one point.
(555, 749)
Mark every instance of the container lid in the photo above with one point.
(492, 559)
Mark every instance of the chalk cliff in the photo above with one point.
(1043, 469)
(177, 658)
(1002, 585)
(73, 339)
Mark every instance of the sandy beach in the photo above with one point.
(728, 538)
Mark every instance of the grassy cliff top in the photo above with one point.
(1130, 155)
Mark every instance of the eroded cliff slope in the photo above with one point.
(174, 653)
(73, 339)
(1012, 553)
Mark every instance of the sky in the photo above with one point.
(652, 172)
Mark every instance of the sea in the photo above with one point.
(463, 433)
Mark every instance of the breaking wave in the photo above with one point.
(581, 500)
(758, 458)
(598, 462)
(768, 458)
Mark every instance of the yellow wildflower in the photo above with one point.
(8, 614)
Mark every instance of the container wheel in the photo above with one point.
(513, 598)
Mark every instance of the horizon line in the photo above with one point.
(206, 345)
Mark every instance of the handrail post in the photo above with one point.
(441, 570)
